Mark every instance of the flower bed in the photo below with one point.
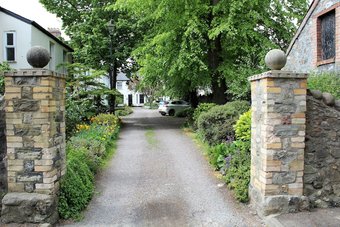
(86, 153)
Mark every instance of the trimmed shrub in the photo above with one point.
(232, 158)
(77, 186)
(124, 112)
(201, 108)
(243, 127)
(187, 112)
(325, 82)
(216, 125)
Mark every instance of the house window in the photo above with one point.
(327, 35)
(9, 46)
(52, 56)
(119, 85)
(141, 98)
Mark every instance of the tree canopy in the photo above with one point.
(86, 23)
(182, 46)
(195, 44)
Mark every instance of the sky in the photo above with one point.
(32, 10)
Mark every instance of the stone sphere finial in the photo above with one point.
(276, 59)
(38, 57)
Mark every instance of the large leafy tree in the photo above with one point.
(85, 22)
(194, 44)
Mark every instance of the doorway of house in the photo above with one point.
(130, 100)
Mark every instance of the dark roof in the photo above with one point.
(35, 24)
(310, 11)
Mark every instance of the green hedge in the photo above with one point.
(216, 125)
(201, 108)
(86, 152)
(232, 158)
(124, 112)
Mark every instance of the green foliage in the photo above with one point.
(216, 125)
(84, 95)
(200, 43)
(77, 186)
(152, 106)
(4, 66)
(232, 158)
(85, 22)
(237, 169)
(86, 153)
(124, 112)
(106, 120)
(217, 154)
(325, 82)
(201, 108)
(77, 112)
(243, 127)
(187, 113)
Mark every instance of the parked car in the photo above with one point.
(172, 107)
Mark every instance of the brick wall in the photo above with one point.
(303, 56)
(322, 154)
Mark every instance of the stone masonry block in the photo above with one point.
(29, 208)
(42, 89)
(273, 145)
(16, 187)
(300, 91)
(12, 89)
(274, 90)
(296, 165)
(25, 105)
(10, 96)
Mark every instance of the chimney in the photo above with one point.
(55, 31)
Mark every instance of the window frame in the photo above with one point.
(9, 46)
(319, 60)
(119, 85)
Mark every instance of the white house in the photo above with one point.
(18, 34)
(131, 97)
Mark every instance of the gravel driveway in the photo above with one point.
(159, 177)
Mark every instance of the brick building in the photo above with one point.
(316, 45)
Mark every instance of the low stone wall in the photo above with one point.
(3, 175)
(322, 154)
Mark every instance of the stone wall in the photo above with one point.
(301, 57)
(322, 154)
(35, 130)
(277, 142)
(35, 134)
(3, 174)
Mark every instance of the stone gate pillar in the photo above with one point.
(35, 131)
(278, 141)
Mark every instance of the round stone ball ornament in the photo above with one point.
(276, 59)
(38, 57)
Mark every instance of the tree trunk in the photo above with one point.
(193, 98)
(218, 82)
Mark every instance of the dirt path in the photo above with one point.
(159, 178)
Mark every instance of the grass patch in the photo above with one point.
(151, 137)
